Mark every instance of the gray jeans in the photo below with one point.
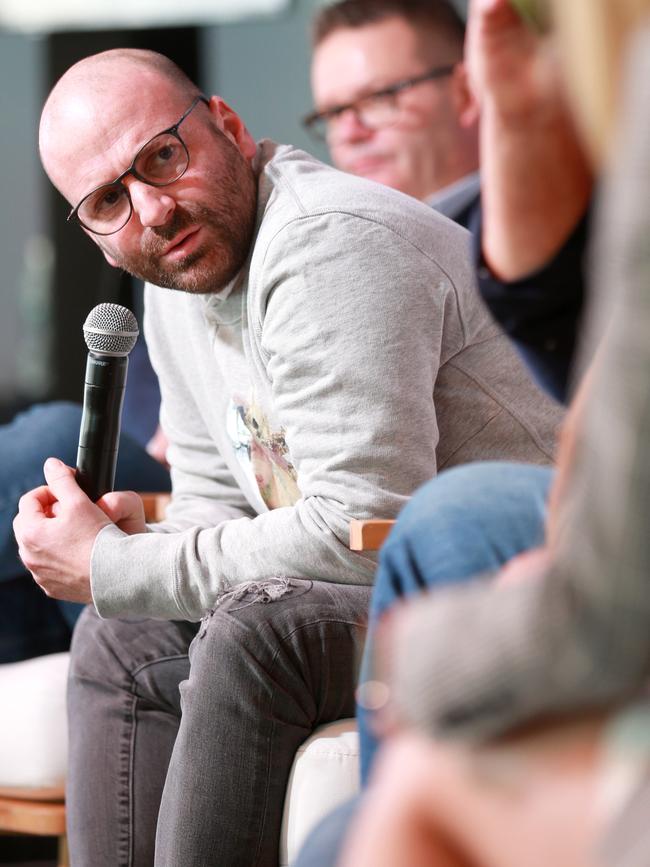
(182, 736)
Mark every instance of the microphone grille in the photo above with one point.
(110, 329)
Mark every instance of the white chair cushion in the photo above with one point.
(325, 773)
(33, 725)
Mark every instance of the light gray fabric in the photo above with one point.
(362, 361)
(580, 637)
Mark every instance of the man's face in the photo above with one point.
(193, 234)
(426, 148)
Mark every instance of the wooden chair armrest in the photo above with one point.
(154, 506)
(368, 535)
(22, 816)
(364, 535)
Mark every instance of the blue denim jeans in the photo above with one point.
(467, 521)
(182, 736)
(30, 623)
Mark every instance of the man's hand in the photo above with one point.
(56, 528)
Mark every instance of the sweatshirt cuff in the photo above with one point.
(135, 575)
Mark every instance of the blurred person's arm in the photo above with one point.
(535, 179)
(530, 232)
(464, 663)
(532, 799)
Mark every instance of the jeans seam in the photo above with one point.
(339, 620)
(127, 762)
(126, 780)
(144, 665)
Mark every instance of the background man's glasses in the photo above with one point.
(373, 111)
(161, 161)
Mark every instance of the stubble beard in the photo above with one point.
(230, 225)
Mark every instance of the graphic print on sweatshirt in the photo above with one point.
(262, 453)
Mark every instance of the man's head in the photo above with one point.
(418, 139)
(190, 225)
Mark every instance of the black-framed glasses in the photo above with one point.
(374, 110)
(160, 161)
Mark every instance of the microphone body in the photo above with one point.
(110, 332)
(99, 435)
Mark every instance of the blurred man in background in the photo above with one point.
(391, 97)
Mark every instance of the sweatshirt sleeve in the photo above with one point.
(352, 351)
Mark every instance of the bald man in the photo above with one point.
(284, 423)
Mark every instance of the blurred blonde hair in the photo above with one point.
(593, 35)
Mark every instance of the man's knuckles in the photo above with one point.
(28, 535)
(122, 505)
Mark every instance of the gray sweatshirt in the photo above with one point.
(348, 362)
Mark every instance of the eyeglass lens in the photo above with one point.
(161, 161)
(372, 112)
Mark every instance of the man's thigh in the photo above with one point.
(274, 660)
(149, 658)
(287, 613)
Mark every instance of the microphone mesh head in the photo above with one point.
(110, 329)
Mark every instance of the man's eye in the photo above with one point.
(165, 153)
(109, 199)
(161, 159)
(105, 201)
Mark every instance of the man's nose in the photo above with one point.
(348, 128)
(153, 205)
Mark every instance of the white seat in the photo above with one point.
(33, 729)
(325, 773)
(33, 750)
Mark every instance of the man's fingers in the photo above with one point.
(61, 480)
(37, 502)
(125, 509)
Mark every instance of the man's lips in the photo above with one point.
(182, 243)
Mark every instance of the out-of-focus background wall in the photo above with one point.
(50, 275)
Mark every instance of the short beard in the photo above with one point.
(231, 221)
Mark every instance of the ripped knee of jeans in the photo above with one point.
(252, 593)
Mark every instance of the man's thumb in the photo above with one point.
(61, 480)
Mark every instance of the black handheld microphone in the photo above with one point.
(110, 332)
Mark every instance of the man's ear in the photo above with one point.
(467, 108)
(232, 126)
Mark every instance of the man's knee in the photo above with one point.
(145, 658)
(284, 626)
(56, 423)
(283, 605)
(467, 520)
(473, 492)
